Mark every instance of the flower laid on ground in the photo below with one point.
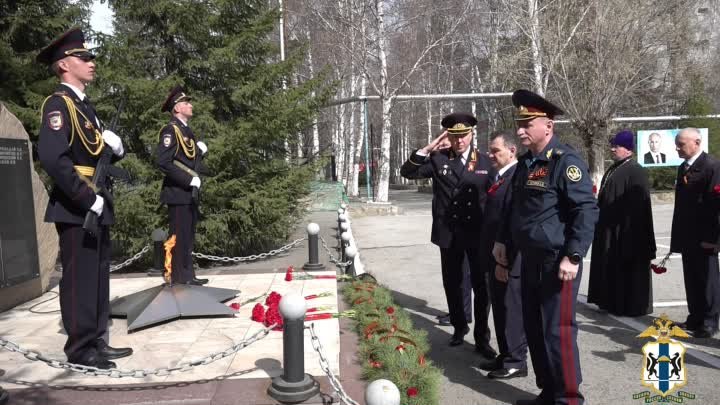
(390, 310)
(273, 317)
(326, 315)
(273, 299)
(258, 313)
(660, 268)
(235, 306)
(321, 295)
(290, 276)
(412, 392)
(318, 309)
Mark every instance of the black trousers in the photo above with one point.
(183, 220)
(702, 288)
(451, 260)
(506, 301)
(467, 291)
(84, 288)
(548, 306)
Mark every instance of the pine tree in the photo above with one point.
(221, 51)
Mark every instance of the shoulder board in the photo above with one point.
(60, 93)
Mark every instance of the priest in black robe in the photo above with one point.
(624, 243)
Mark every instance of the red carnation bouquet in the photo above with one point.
(271, 315)
(660, 268)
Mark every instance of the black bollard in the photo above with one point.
(341, 215)
(344, 243)
(4, 396)
(313, 257)
(294, 385)
(158, 237)
(350, 253)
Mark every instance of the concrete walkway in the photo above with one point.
(396, 249)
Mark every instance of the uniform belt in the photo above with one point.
(184, 168)
(86, 173)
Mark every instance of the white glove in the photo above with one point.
(114, 142)
(195, 182)
(202, 147)
(97, 206)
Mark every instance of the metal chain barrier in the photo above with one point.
(333, 259)
(251, 257)
(138, 373)
(325, 365)
(131, 260)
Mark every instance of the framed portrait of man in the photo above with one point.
(656, 147)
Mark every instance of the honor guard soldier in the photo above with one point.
(178, 155)
(550, 222)
(461, 177)
(71, 141)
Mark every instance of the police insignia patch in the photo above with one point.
(55, 121)
(573, 173)
(167, 138)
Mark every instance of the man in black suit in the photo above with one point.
(70, 143)
(696, 232)
(505, 286)
(461, 176)
(654, 156)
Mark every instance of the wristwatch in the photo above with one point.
(575, 258)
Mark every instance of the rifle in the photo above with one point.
(100, 177)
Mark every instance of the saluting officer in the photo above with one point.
(177, 155)
(71, 141)
(461, 176)
(550, 221)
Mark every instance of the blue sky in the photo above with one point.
(101, 19)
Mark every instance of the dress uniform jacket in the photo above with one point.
(177, 143)
(459, 193)
(61, 148)
(176, 189)
(69, 146)
(553, 207)
(552, 214)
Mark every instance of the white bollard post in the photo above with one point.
(382, 392)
